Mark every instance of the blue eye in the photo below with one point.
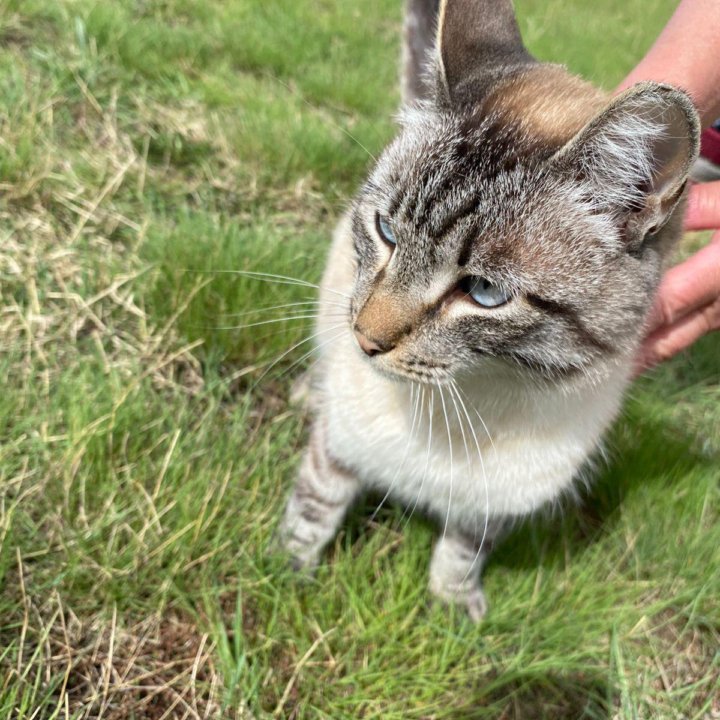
(483, 292)
(383, 230)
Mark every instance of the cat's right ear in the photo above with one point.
(478, 41)
(635, 156)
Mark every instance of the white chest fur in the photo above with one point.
(424, 446)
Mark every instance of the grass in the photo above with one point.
(147, 148)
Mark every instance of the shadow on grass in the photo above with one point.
(644, 451)
(561, 697)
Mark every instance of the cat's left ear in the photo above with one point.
(478, 42)
(636, 156)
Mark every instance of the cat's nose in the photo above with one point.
(370, 347)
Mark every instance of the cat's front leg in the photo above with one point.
(455, 568)
(323, 492)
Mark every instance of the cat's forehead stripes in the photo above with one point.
(451, 175)
(440, 177)
(443, 208)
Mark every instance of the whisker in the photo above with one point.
(413, 404)
(310, 369)
(270, 277)
(289, 350)
(485, 483)
(451, 388)
(332, 122)
(286, 318)
(431, 409)
(335, 315)
(266, 308)
(447, 427)
(482, 422)
(285, 330)
(310, 352)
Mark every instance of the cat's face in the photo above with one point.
(477, 250)
(519, 220)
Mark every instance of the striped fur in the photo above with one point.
(323, 492)
(566, 201)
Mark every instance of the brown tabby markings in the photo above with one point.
(566, 203)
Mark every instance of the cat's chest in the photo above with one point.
(432, 447)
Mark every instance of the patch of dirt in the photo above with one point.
(683, 661)
(160, 668)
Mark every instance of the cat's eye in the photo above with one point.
(384, 230)
(483, 292)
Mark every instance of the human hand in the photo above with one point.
(687, 304)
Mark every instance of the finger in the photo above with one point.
(703, 208)
(688, 286)
(666, 342)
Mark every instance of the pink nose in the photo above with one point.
(369, 347)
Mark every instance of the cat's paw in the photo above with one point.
(476, 605)
(302, 557)
(303, 562)
(471, 599)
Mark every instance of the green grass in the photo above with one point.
(147, 148)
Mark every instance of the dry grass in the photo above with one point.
(144, 147)
(160, 668)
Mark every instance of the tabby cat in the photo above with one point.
(495, 271)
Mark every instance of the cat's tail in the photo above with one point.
(418, 44)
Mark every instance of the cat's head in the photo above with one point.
(519, 219)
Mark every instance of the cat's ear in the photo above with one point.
(477, 42)
(636, 155)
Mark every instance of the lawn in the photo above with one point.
(147, 150)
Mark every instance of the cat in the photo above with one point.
(494, 271)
